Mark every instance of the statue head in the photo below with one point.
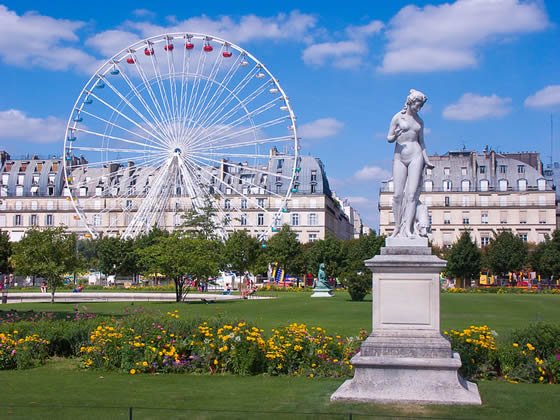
(415, 96)
(322, 266)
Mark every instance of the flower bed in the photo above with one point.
(19, 352)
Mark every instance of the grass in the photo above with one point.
(61, 390)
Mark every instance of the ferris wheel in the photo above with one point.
(175, 122)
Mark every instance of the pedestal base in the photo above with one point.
(407, 380)
(322, 293)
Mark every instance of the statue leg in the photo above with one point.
(399, 180)
(412, 193)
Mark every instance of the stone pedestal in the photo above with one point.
(322, 293)
(406, 359)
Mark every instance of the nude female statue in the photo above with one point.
(407, 131)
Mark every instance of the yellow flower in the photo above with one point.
(515, 345)
(144, 363)
(132, 371)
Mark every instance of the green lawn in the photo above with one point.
(59, 390)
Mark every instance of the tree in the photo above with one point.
(464, 259)
(241, 251)
(329, 251)
(178, 258)
(545, 258)
(285, 249)
(361, 249)
(49, 253)
(5, 251)
(506, 252)
(116, 256)
(200, 222)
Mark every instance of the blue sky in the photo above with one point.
(490, 69)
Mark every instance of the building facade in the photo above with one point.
(34, 192)
(483, 193)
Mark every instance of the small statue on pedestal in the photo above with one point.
(321, 288)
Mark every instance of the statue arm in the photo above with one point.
(394, 129)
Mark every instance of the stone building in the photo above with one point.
(484, 193)
(33, 192)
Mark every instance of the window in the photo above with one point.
(312, 219)
(33, 220)
(447, 201)
(428, 186)
(466, 219)
(523, 217)
(261, 202)
(542, 217)
(18, 220)
(280, 163)
(19, 191)
(484, 218)
(463, 171)
(50, 205)
(128, 204)
(446, 171)
(243, 203)
(20, 179)
(19, 205)
(313, 188)
(522, 184)
(503, 184)
(522, 236)
(83, 191)
(227, 219)
(260, 219)
(503, 217)
(447, 240)
(484, 241)
(465, 185)
(484, 201)
(390, 186)
(523, 200)
(447, 218)
(503, 169)
(96, 220)
(2, 220)
(466, 201)
(5, 178)
(429, 171)
(295, 219)
(541, 184)
(227, 203)
(49, 220)
(482, 169)
(542, 200)
(312, 237)
(483, 185)
(503, 201)
(447, 184)
(314, 175)
(33, 205)
(243, 219)
(520, 169)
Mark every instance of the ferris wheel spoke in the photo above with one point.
(218, 92)
(153, 98)
(155, 121)
(102, 163)
(105, 149)
(201, 101)
(120, 127)
(240, 105)
(115, 110)
(154, 131)
(275, 140)
(107, 136)
(239, 133)
(172, 87)
(163, 93)
(247, 117)
(233, 95)
(195, 87)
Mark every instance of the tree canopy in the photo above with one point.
(464, 258)
(506, 252)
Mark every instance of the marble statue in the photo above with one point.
(407, 132)
(322, 281)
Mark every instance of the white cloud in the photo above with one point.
(248, 28)
(110, 42)
(475, 107)
(16, 125)
(345, 54)
(371, 173)
(548, 96)
(143, 13)
(33, 40)
(321, 128)
(446, 37)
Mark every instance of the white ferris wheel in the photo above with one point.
(176, 121)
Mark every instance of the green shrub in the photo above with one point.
(357, 284)
(532, 354)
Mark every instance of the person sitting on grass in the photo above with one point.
(228, 290)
